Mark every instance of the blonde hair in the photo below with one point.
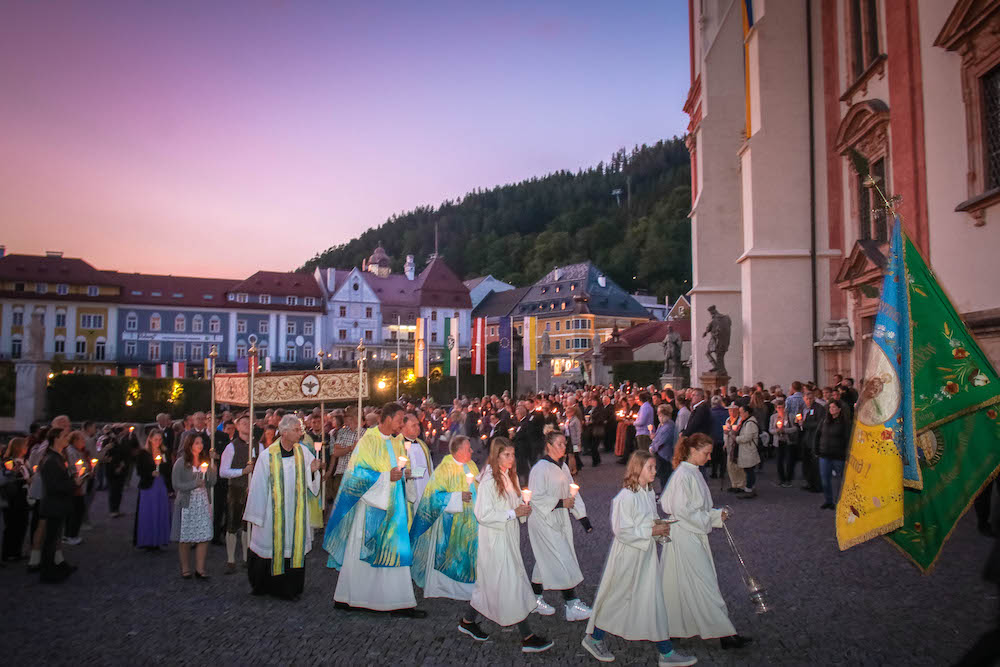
(499, 444)
(688, 442)
(636, 462)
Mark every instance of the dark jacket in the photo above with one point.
(58, 484)
(144, 467)
(719, 416)
(700, 420)
(831, 442)
(811, 419)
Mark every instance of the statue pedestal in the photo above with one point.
(541, 377)
(29, 392)
(675, 382)
(712, 381)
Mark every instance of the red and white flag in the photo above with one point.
(161, 370)
(479, 346)
(179, 369)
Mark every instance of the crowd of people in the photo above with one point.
(417, 493)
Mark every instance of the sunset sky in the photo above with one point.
(219, 138)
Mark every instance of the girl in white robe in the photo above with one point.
(630, 599)
(687, 570)
(551, 531)
(502, 592)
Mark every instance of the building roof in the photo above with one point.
(152, 289)
(379, 257)
(578, 286)
(472, 283)
(439, 286)
(50, 269)
(278, 283)
(500, 304)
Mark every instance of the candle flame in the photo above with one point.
(573, 489)
(526, 495)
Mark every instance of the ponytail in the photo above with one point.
(686, 443)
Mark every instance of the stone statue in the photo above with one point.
(546, 345)
(595, 342)
(672, 352)
(35, 343)
(720, 328)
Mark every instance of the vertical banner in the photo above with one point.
(179, 369)
(528, 344)
(479, 346)
(451, 339)
(161, 370)
(420, 349)
(208, 368)
(503, 359)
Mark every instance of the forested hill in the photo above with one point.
(519, 232)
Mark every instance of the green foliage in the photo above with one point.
(641, 373)
(519, 232)
(102, 397)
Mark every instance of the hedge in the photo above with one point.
(642, 373)
(103, 398)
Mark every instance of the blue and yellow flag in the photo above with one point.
(926, 435)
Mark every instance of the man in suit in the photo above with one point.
(701, 414)
(812, 416)
(523, 443)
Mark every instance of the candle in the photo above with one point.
(573, 490)
(34, 468)
(526, 495)
(778, 423)
(798, 417)
(93, 463)
(469, 477)
(158, 459)
(204, 468)
(401, 462)
(725, 427)
(482, 437)
(9, 465)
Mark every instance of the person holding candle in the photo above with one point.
(737, 478)
(629, 600)
(236, 467)
(687, 571)
(784, 435)
(15, 491)
(574, 438)
(551, 532)
(502, 592)
(367, 535)
(747, 436)
(191, 524)
(59, 484)
(421, 465)
(284, 476)
(76, 456)
(444, 530)
(152, 511)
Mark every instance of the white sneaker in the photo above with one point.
(597, 649)
(543, 608)
(675, 659)
(577, 611)
(72, 541)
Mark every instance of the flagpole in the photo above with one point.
(212, 354)
(512, 358)
(398, 322)
(458, 372)
(361, 384)
(485, 358)
(322, 445)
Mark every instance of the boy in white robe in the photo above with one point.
(367, 535)
(551, 532)
(630, 599)
(281, 574)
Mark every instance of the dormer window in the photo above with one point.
(264, 299)
(291, 301)
(241, 297)
(41, 288)
(93, 290)
(310, 301)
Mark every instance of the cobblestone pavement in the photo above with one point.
(867, 606)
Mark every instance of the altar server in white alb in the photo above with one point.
(630, 599)
(367, 535)
(687, 570)
(502, 593)
(278, 510)
(551, 531)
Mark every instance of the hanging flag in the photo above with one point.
(132, 372)
(451, 339)
(179, 369)
(479, 346)
(926, 436)
(529, 345)
(161, 370)
(208, 369)
(506, 345)
(420, 349)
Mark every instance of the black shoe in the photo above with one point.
(735, 641)
(473, 630)
(713, 476)
(409, 612)
(827, 506)
(747, 495)
(199, 575)
(733, 489)
(986, 529)
(535, 644)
